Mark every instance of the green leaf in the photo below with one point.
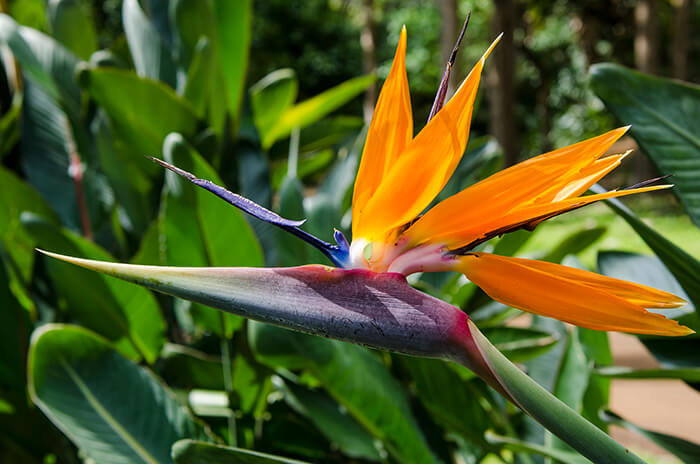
(10, 125)
(72, 25)
(185, 367)
(192, 20)
(596, 344)
(199, 51)
(520, 344)
(564, 457)
(665, 119)
(333, 422)
(453, 402)
(690, 374)
(17, 197)
(48, 63)
(111, 408)
(234, 23)
(127, 172)
(549, 411)
(574, 244)
(380, 405)
(292, 251)
(315, 108)
(571, 381)
(197, 452)
(142, 111)
(10, 36)
(13, 339)
(686, 451)
(200, 229)
(271, 96)
(116, 310)
(47, 140)
(197, 87)
(683, 266)
(309, 165)
(151, 57)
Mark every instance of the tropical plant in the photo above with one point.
(121, 374)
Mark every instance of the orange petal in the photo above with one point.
(389, 132)
(553, 176)
(552, 290)
(526, 217)
(425, 165)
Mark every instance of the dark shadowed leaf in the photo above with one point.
(563, 457)
(332, 421)
(355, 378)
(108, 406)
(453, 402)
(197, 452)
(17, 197)
(125, 313)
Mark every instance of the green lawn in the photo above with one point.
(660, 213)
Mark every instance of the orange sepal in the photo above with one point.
(554, 176)
(389, 132)
(425, 165)
(580, 298)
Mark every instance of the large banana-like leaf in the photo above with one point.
(376, 310)
(113, 409)
(665, 118)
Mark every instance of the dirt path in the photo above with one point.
(667, 406)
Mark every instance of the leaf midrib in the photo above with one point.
(661, 118)
(106, 416)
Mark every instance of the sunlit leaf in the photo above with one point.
(141, 110)
(315, 108)
(234, 21)
(151, 57)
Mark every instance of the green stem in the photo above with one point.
(481, 356)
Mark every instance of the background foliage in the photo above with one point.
(266, 98)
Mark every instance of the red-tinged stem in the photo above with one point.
(75, 171)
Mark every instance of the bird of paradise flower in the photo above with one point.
(367, 300)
